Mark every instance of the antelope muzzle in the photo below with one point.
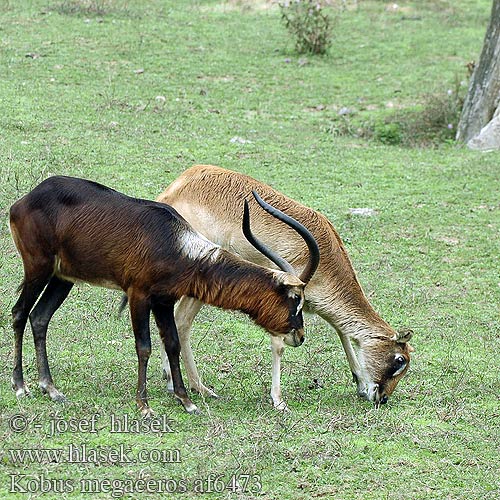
(295, 337)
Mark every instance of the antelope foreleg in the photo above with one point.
(277, 348)
(139, 313)
(53, 296)
(164, 316)
(185, 312)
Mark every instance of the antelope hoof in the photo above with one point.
(54, 394)
(281, 406)
(147, 413)
(189, 406)
(58, 397)
(192, 409)
(204, 391)
(21, 391)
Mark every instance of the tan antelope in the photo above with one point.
(211, 198)
(69, 230)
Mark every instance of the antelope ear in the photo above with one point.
(403, 336)
(291, 280)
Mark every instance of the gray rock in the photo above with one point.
(489, 137)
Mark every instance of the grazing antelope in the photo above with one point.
(209, 198)
(70, 230)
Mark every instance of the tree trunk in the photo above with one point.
(483, 95)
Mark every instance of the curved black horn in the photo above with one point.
(272, 256)
(312, 245)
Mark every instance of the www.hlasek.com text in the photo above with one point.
(83, 454)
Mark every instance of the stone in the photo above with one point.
(489, 137)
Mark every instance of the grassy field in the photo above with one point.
(130, 94)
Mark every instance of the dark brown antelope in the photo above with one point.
(209, 198)
(69, 230)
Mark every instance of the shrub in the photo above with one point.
(433, 122)
(84, 7)
(388, 132)
(436, 121)
(308, 22)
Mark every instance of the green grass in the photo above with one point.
(77, 105)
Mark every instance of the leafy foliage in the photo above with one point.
(436, 122)
(432, 123)
(308, 22)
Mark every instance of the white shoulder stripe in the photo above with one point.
(195, 246)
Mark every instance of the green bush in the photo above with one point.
(388, 132)
(308, 22)
(84, 7)
(434, 121)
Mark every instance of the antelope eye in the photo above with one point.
(299, 303)
(400, 360)
(399, 365)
